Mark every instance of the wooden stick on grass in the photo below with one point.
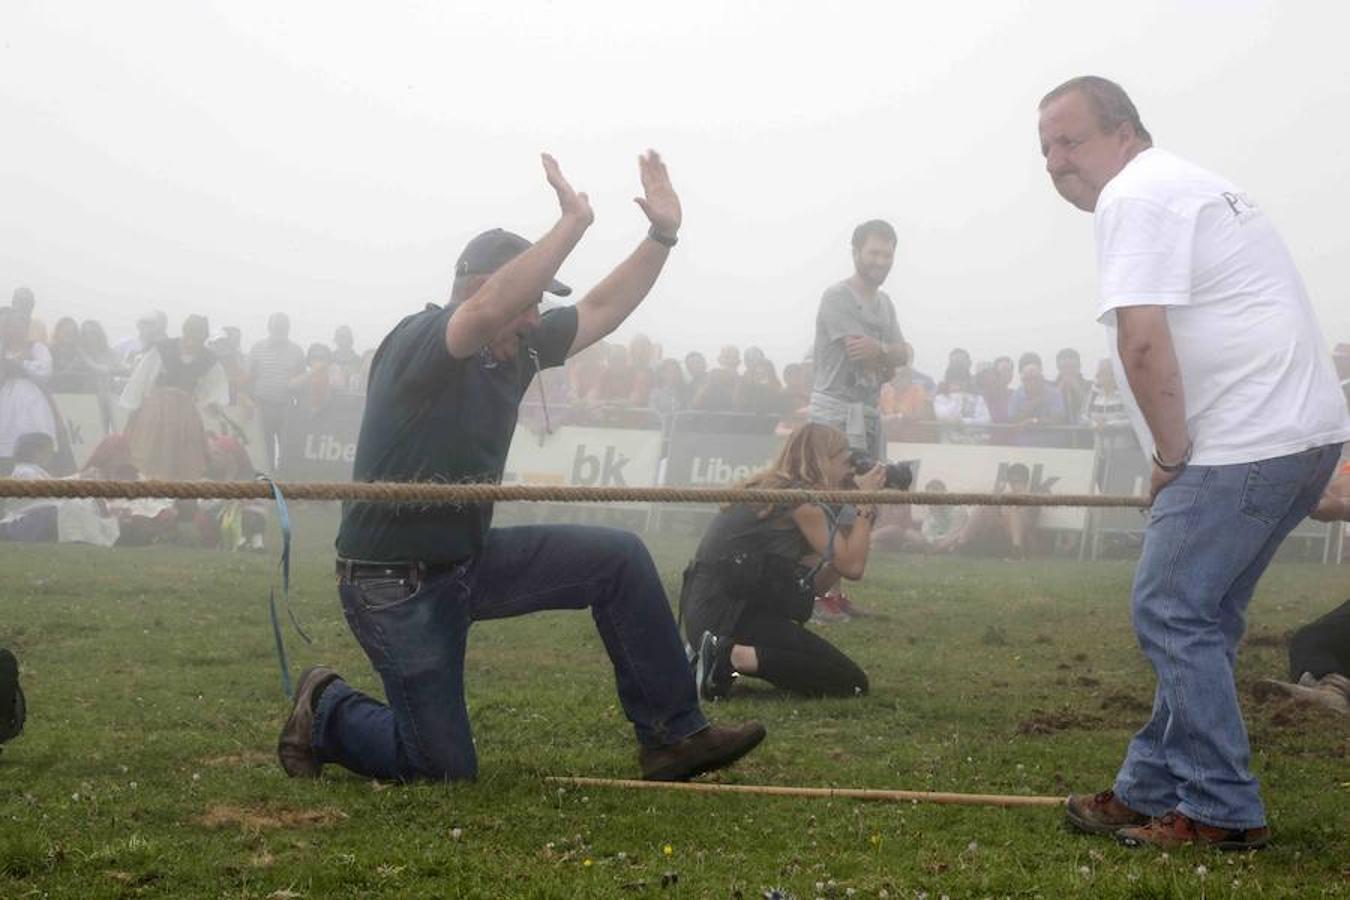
(851, 793)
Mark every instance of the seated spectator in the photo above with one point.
(796, 389)
(584, 371)
(230, 524)
(94, 346)
(1005, 368)
(71, 372)
(669, 395)
(759, 392)
(696, 372)
(959, 359)
(345, 356)
(1003, 531)
(905, 398)
(141, 521)
(24, 301)
(896, 529)
(997, 398)
(641, 371)
(942, 526)
(1073, 387)
(31, 521)
(957, 403)
(612, 387)
(729, 360)
(906, 408)
(1036, 402)
(718, 393)
(313, 387)
(151, 328)
(40, 520)
(106, 366)
(25, 366)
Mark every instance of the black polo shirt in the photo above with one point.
(431, 417)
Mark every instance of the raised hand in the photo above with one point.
(573, 205)
(660, 203)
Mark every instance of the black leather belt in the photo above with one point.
(417, 572)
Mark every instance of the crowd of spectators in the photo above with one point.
(153, 387)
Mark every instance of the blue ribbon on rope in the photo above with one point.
(284, 520)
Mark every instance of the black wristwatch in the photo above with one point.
(1177, 466)
(665, 240)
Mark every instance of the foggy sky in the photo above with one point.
(330, 159)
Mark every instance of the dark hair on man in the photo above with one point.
(1112, 105)
(1030, 358)
(877, 228)
(31, 447)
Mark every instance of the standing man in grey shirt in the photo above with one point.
(858, 342)
(271, 366)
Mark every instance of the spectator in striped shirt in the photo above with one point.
(271, 366)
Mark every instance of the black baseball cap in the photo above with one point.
(493, 249)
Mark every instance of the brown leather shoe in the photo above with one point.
(703, 751)
(1175, 830)
(1101, 813)
(293, 748)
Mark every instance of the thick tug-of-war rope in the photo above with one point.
(825, 793)
(426, 493)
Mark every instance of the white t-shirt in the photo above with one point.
(1257, 375)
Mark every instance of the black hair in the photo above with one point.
(878, 228)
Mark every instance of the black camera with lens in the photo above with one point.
(898, 475)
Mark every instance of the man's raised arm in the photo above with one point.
(519, 284)
(611, 301)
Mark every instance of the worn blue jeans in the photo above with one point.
(415, 636)
(1211, 533)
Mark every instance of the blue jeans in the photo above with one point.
(415, 636)
(1211, 533)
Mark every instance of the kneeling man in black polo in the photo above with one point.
(441, 406)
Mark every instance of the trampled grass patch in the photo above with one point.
(147, 770)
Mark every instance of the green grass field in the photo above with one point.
(147, 765)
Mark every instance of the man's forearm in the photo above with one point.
(519, 284)
(1154, 375)
(611, 301)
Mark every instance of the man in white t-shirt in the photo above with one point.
(1230, 387)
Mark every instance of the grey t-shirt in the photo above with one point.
(843, 313)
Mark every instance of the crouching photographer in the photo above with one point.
(750, 589)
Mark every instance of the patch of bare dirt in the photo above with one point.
(258, 818)
(1119, 701)
(1042, 722)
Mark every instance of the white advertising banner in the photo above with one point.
(83, 419)
(575, 455)
(984, 469)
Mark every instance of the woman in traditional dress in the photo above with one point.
(164, 393)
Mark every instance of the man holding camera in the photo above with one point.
(443, 397)
(1228, 382)
(858, 343)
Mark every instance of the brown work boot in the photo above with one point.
(1175, 830)
(1100, 813)
(703, 751)
(294, 748)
